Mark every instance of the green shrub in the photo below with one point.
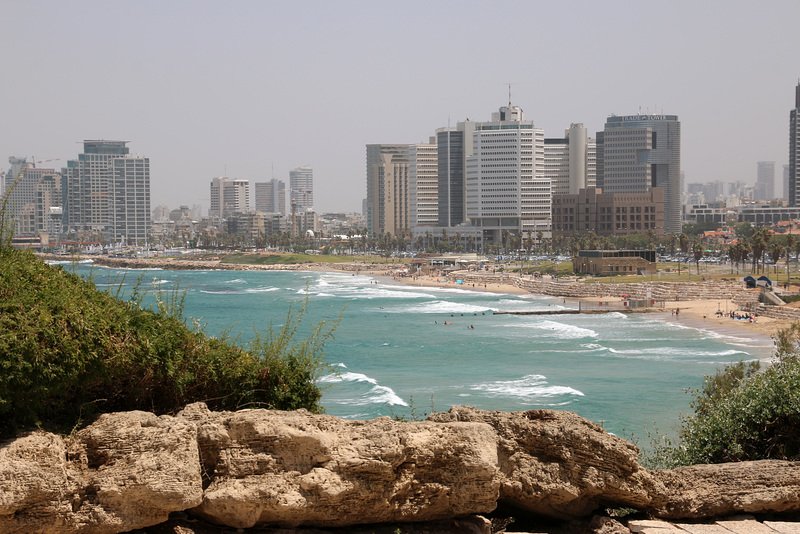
(69, 350)
(742, 414)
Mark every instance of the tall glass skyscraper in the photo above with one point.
(794, 150)
(640, 152)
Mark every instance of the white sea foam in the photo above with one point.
(235, 281)
(670, 353)
(377, 394)
(560, 330)
(220, 291)
(527, 387)
(261, 289)
(67, 262)
(443, 307)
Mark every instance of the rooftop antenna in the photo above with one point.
(509, 95)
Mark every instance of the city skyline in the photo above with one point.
(268, 87)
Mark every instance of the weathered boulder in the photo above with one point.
(297, 469)
(559, 464)
(126, 471)
(717, 490)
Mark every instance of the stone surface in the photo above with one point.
(744, 525)
(125, 471)
(294, 468)
(559, 464)
(719, 490)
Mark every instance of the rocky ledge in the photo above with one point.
(276, 469)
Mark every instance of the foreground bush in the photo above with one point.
(69, 350)
(742, 414)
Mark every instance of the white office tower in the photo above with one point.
(570, 163)
(107, 193)
(423, 185)
(765, 180)
(301, 183)
(794, 150)
(270, 196)
(229, 196)
(507, 190)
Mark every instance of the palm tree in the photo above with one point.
(759, 243)
(697, 247)
(775, 253)
(789, 245)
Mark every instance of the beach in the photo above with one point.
(695, 313)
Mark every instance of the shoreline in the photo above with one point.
(699, 314)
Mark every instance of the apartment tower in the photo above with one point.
(270, 196)
(106, 193)
(387, 189)
(229, 196)
(423, 185)
(301, 183)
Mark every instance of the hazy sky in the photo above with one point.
(252, 89)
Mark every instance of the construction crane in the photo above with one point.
(34, 162)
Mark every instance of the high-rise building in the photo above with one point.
(229, 196)
(454, 146)
(423, 185)
(640, 152)
(765, 180)
(22, 195)
(301, 183)
(785, 182)
(506, 187)
(270, 196)
(794, 150)
(570, 163)
(107, 193)
(387, 189)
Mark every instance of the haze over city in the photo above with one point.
(251, 90)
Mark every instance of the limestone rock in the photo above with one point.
(292, 469)
(559, 464)
(126, 471)
(705, 491)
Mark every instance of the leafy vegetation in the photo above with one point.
(68, 351)
(742, 413)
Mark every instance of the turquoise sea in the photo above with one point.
(626, 372)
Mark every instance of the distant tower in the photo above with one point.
(794, 150)
(301, 183)
(229, 196)
(271, 196)
(765, 180)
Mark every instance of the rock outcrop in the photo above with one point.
(559, 464)
(718, 490)
(294, 468)
(286, 469)
(127, 470)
